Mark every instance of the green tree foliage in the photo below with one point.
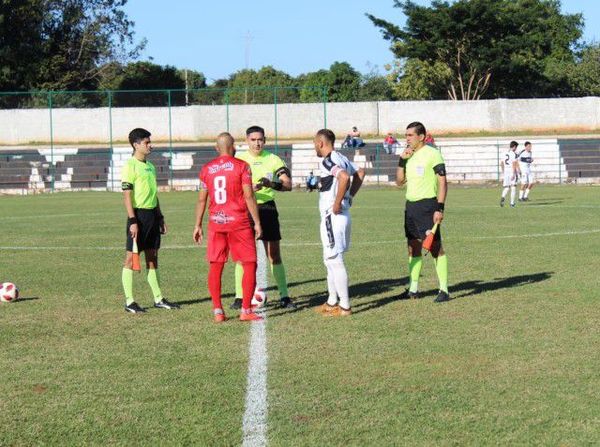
(417, 79)
(256, 87)
(62, 44)
(496, 48)
(149, 76)
(342, 82)
(584, 77)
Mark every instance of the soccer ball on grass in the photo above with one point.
(8, 292)
(260, 298)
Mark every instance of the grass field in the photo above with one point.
(513, 359)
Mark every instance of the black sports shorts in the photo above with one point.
(148, 222)
(269, 221)
(418, 218)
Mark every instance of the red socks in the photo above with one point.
(248, 283)
(214, 283)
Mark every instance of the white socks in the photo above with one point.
(337, 282)
(513, 193)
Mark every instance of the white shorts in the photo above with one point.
(335, 233)
(526, 178)
(508, 180)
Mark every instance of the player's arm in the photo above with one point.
(440, 173)
(250, 199)
(343, 179)
(127, 200)
(200, 209)
(401, 171)
(357, 180)
(516, 168)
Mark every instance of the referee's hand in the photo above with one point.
(438, 216)
(133, 230)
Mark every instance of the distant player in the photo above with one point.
(269, 174)
(227, 182)
(145, 222)
(527, 181)
(510, 172)
(340, 181)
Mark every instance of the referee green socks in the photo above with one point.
(441, 267)
(278, 271)
(154, 284)
(127, 280)
(414, 270)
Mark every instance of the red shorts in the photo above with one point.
(240, 242)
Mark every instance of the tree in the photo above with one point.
(257, 87)
(62, 44)
(149, 76)
(493, 48)
(342, 82)
(374, 87)
(584, 77)
(416, 79)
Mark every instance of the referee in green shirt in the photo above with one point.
(145, 222)
(423, 170)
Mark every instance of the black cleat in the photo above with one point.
(287, 303)
(442, 297)
(512, 205)
(164, 304)
(408, 295)
(237, 304)
(502, 201)
(134, 308)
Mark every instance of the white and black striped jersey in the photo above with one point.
(330, 166)
(509, 158)
(525, 160)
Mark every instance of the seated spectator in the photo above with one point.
(353, 139)
(311, 182)
(390, 144)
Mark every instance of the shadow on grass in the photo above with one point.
(232, 295)
(476, 287)
(544, 203)
(29, 298)
(357, 291)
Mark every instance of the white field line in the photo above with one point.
(254, 425)
(304, 244)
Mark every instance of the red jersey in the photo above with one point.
(223, 178)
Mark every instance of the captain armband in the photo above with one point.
(126, 186)
(440, 169)
(281, 171)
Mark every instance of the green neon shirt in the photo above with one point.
(143, 178)
(265, 165)
(421, 180)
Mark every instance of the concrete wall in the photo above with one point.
(301, 120)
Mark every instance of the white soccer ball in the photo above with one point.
(260, 298)
(8, 292)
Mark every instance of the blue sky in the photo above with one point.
(296, 36)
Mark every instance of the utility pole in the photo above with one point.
(187, 102)
(247, 60)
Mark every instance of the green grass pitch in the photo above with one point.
(512, 359)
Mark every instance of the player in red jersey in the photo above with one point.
(228, 183)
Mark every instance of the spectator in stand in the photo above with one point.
(353, 139)
(390, 144)
(429, 140)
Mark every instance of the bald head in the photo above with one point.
(225, 144)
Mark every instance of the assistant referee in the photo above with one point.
(423, 170)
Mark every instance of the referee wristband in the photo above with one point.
(440, 207)
(277, 186)
(402, 163)
(131, 221)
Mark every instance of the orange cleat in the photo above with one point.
(325, 309)
(220, 317)
(339, 312)
(250, 316)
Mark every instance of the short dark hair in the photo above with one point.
(419, 128)
(137, 135)
(327, 134)
(527, 143)
(513, 144)
(253, 129)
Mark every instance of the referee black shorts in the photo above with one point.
(269, 221)
(148, 222)
(418, 219)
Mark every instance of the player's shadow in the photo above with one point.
(356, 291)
(476, 287)
(544, 203)
(225, 296)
